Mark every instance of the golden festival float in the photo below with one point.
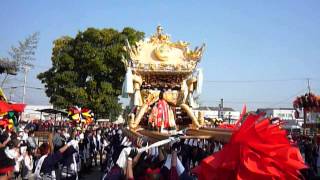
(162, 82)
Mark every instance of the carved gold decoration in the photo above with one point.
(201, 118)
(159, 37)
(149, 97)
(160, 54)
(171, 97)
(196, 54)
(181, 45)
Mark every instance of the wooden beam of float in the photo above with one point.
(216, 134)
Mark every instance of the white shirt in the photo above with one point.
(28, 161)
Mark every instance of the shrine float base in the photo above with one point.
(216, 134)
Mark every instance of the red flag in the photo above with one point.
(4, 107)
(243, 112)
(17, 107)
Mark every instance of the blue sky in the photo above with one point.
(246, 40)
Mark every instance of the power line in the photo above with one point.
(239, 102)
(288, 98)
(256, 80)
(17, 80)
(261, 102)
(38, 88)
(42, 67)
(29, 87)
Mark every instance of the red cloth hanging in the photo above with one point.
(257, 150)
(6, 107)
(17, 107)
(163, 115)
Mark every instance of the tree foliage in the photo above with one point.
(24, 53)
(87, 70)
(20, 56)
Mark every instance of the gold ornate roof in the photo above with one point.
(158, 53)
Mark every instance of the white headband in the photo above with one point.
(191, 142)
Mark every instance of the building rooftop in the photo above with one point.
(208, 108)
(266, 109)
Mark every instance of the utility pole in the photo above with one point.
(304, 111)
(309, 88)
(26, 69)
(221, 108)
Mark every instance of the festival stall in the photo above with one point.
(9, 113)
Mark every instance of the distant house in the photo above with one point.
(313, 117)
(285, 114)
(225, 113)
(31, 113)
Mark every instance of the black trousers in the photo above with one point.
(73, 177)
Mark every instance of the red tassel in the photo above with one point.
(257, 150)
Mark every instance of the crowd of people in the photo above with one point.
(72, 153)
(309, 148)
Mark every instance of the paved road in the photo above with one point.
(94, 174)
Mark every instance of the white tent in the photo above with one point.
(103, 120)
(120, 120)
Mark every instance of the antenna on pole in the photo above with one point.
(309, 88)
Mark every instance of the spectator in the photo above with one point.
(27, 164)
(31, 140)
(47, 162)
(57, 140)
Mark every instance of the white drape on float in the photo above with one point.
(199, 76)
(127, 86)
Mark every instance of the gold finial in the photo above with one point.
(159, 36)
(159, 30)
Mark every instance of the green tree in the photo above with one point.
(87, 70)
